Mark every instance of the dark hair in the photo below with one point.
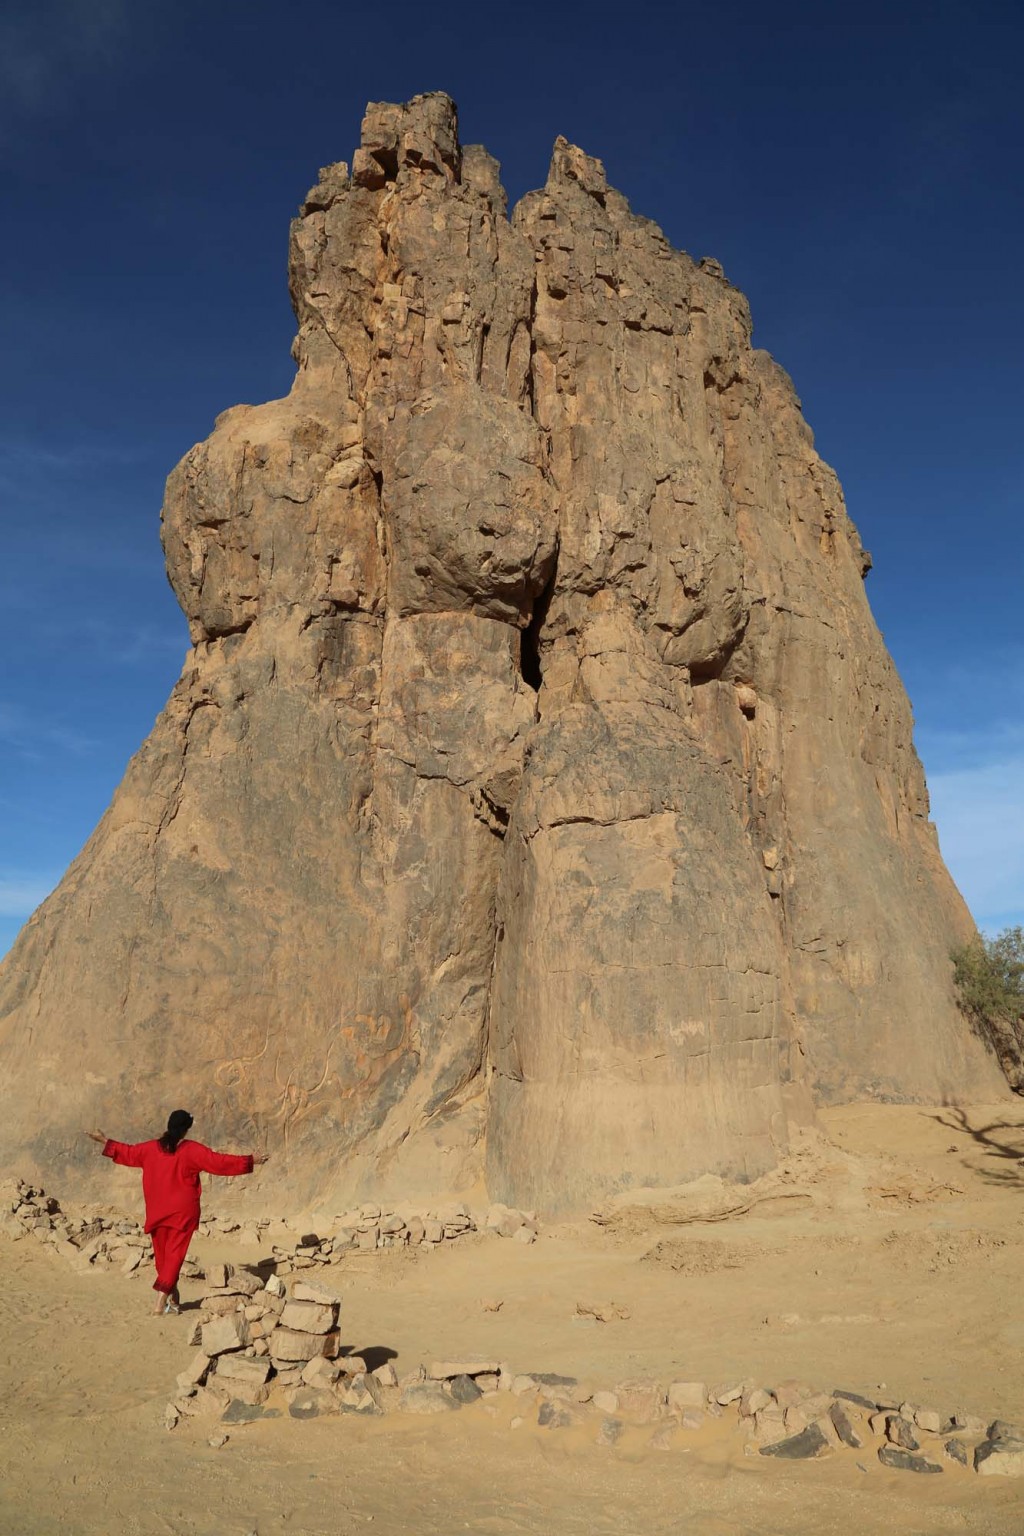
(179, 1123)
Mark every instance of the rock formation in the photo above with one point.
(538, 799)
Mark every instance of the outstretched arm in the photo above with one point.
(119, 1151)
(226, 1164)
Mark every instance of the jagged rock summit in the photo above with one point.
(538, 799)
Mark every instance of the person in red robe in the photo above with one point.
(171, 1166)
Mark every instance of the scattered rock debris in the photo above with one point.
(103, 1241)
(256, 1337)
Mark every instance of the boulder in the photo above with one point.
(426, 1397)
(464, 1390)
(1000, 1458)
(534, 720)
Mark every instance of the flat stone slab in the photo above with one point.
(243, 1368)
(309, 1316)
(238, 1412)
(319, 1294)
(906, 1461)
(288, 1344)
(226, 1333)
(808, 1443)
(447, 1370)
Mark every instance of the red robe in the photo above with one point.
(171, 1190)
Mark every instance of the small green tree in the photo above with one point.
(989, 975)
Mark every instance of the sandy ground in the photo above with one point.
(893, 1257)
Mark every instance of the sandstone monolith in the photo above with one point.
(538, 797)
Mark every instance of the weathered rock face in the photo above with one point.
(538, 794)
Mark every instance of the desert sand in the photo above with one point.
(892, 1255)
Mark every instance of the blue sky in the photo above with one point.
(857, 170)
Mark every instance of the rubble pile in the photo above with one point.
(87, 1238)
(369, 1227)
(101, 1240)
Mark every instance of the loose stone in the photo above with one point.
(238, 1412)
(1000, 1458)
(309, 1317)
(844, 1426)
(223, 1334)
(899, 1431)
(610, 1431)
(464, 1389)
(427, 1397)
(311, 1403)
(904, 1461)
(810, 1442)
(551, 1417)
